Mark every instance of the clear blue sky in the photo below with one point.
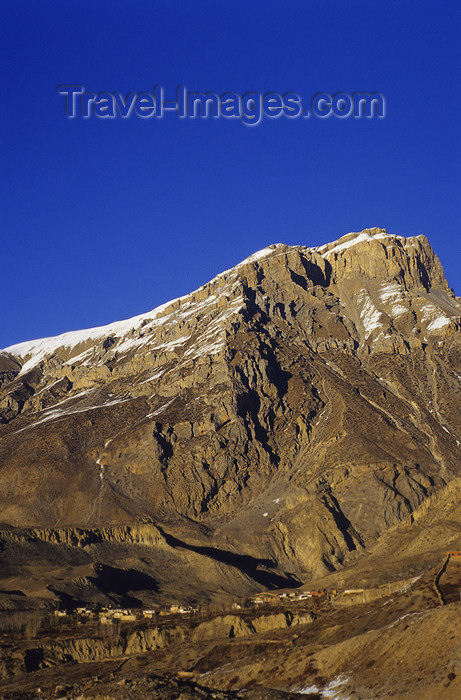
(105, 219)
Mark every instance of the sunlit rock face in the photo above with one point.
(292, 410)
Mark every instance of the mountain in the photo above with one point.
(297, 416)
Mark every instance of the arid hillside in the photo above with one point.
(272, 427)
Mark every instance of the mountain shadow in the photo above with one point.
(243, 562)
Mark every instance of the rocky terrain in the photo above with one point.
(402, 644)
(295, 421)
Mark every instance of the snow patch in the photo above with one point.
(360, 238)
(101, 469)
(435, 318)
(57, 413)
(309, 690)
(160, 409)
(369, 314)
(332, 690)
(438, 323)
(393, 295)
(259, 255)
(154, 376)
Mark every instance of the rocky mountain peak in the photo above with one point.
(375, 254)
(345, 268)
(292, 410)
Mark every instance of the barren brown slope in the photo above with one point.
(270, 427)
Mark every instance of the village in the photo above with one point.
(107, 615)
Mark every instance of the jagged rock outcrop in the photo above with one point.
(292, 410)
(119, 643)
(141, 533)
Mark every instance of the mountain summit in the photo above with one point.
(274, 425)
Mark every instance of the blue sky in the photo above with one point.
(105, 219)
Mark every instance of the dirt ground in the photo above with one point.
(402, 646)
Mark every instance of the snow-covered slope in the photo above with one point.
(34, 351)
(392, 301)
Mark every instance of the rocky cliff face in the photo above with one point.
(280, 418)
